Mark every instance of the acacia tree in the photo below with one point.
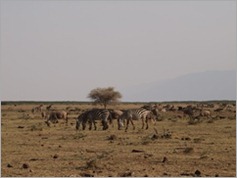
(104, 96)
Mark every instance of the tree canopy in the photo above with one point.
(104, 96)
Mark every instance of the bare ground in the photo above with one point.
(172, 147)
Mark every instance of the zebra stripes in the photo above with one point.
(82, 119)
(104, 115)
(137, 114)
(91, 116)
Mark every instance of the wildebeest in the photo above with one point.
(205, 113)
(54, 116)
(49, 107)
(44, 114)
(114, 115)
(37, 109)
(189, 110)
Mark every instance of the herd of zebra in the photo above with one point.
(123, 117)
(104, 116)
(145, 113)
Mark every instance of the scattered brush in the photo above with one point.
(137, 151)
(126, 174)
(188, 150)
(185, 150)
(21, 110)
(198, 140)
(21, 127)
(166, 134)
(194, 121)
(80, 136)
(112, 137)
(151, 137)
(86, 175)
(210, 121)
(25, 116)
(92, 164)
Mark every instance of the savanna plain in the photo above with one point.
(173, 146)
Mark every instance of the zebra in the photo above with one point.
(136, 114)
(82, 119)
(91, 116)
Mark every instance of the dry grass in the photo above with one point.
(172, 147)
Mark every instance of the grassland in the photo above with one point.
(172, 147)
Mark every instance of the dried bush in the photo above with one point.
(104, 96)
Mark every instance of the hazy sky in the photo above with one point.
(61, 50)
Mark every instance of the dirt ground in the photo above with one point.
(172, 147)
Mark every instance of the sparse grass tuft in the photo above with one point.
(194, 121)
(166, 134)
(79, 136)
(188, 150)
(92, 164)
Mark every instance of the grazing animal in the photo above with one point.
(205, 113)
(37, 109)
(136, 114)
(156, 113)
(154, 109)
(54, 116)
(189, 110)
(49, 107)
(82, 119)
(44, 114)
(114, 114)
(91, 116)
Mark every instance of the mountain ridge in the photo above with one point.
(199, 86)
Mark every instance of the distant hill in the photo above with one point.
(210, 85)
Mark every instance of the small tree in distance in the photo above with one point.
(104, 96)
